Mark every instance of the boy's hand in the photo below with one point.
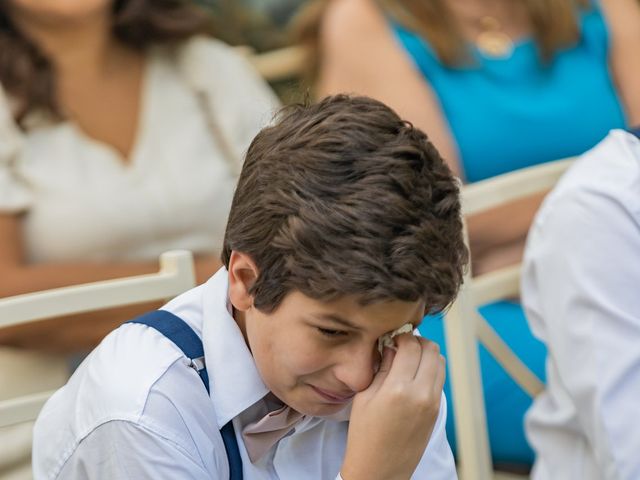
(392, 420)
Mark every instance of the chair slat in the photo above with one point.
(474, 460)
(280, 64)
(487, 194)
(176, 275)
(507, 359)
(22, 409)
(464, 328)
(496, 285)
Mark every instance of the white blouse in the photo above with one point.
(202, 105)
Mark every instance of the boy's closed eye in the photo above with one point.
(332, 326)
(332, 333)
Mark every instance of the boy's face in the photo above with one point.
(314, 356)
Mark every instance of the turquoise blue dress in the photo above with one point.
(507, 114)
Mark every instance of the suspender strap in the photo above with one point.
(183, 336)
(635, 131)
(233, 454)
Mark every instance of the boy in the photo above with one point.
(345, 226)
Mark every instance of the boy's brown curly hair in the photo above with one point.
(343, 197)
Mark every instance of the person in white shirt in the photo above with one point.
(345, 226)
(122, 132)
(580, 292)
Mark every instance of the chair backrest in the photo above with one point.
(280, 64)
(175, 276)
(464, 327)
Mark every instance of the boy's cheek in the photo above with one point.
(307, 360)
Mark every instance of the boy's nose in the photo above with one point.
(357, 368)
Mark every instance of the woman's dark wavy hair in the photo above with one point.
(29, 78)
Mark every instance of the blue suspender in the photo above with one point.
(635, 131)
(176, 330)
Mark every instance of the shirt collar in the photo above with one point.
(234, 380)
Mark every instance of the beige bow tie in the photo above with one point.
(261, 435)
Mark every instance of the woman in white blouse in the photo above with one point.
(122, 130)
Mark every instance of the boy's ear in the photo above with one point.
(242, 275)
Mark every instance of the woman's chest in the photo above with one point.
(88, 204)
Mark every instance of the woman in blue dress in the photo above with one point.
(497, 85)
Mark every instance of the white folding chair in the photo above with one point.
(28, 379)
(464, 327)
(279, 64)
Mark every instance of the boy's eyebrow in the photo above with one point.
(332, 317)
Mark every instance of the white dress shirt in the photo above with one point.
(581, 293)
(134, 409)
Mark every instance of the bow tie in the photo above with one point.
(261, 435)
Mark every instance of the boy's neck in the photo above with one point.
(240, 320)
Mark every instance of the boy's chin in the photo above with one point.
(329, 411)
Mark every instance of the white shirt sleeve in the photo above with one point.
(581, 294)
(437, 461)
(124, 450)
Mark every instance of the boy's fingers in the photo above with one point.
(432, 366)
(385, 365)
(388, 354)
(407, 358)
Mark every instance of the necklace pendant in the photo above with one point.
(494, 44)
(492, 41)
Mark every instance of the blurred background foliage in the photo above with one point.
(262, 25)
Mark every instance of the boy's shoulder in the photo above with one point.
(125, 367)
(136, 376)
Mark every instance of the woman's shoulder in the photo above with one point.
(622, 16)
(345, 19)
(238, 101)
(210, 64)
(219, 71)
